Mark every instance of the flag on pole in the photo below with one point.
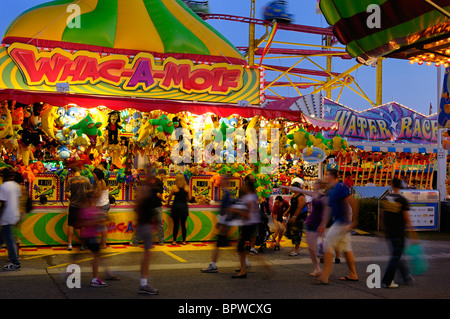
(318, 11)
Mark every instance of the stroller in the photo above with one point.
(263, 234)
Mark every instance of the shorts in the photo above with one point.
(280, 218)
(92, 244)
(72, 216)
(145, 233)
(222, 241)
(294, 231)
(247, 232)
(337, 237)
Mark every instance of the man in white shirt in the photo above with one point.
(370, 183)
(10, 193)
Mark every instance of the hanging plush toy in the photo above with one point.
(113, 127)
(48, 117)
(89, 127)
(17, 115)
(339, 143)
(163, 124)
(63, 152)
(6, 130)
(300, 138)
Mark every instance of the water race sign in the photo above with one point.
(391, 122)
(25, 67)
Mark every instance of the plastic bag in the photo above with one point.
(320, 246)
(418, 264)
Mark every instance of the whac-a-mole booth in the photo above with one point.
(153, 59)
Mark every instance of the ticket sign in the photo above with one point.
(424, 208)
(116, 189)
(168, 183)
(201, 186)
(45, 185)
(423, 215)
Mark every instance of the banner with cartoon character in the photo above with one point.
(444, 107)
(390, 122)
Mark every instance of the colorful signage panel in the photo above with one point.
(389, 122)
(47, 185)
(201, 186)
(444, 107)
(25, 67)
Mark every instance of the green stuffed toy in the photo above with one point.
(89, 127)
(163, 124)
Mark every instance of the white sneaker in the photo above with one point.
(69, 247)
(97, 283)
(253, 251)
(210, 269)
(392, 285)
(148, 290)
(11, 267)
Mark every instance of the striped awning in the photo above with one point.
(395, 147)
(164, 28)
(394, 28)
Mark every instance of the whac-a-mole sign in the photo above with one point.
(391, 122)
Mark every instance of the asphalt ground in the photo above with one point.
(175, 272)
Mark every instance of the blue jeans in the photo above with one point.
(159, 223)
(397, 245)
(7, 236)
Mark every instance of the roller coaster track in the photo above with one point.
(324, 32)
(281, 26)
(282, 51)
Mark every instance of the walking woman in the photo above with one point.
(247, 209)
(180, 209)
(312, 222)
(101, 191)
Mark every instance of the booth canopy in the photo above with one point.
(164, 28)
(127, 53)
(389, 28)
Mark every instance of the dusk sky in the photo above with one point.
(414, 86)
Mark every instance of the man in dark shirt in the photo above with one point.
(395, 214)
(77, 190)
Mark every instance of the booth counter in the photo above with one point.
(47, 222)
(48, 227)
